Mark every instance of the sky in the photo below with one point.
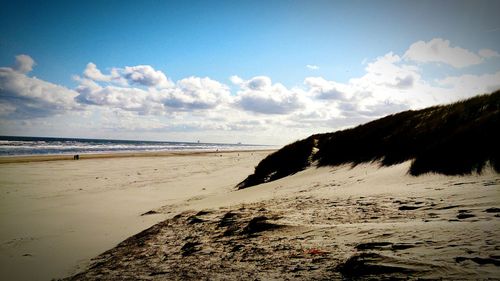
(260, 72)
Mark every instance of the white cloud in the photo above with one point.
(389, 71)
(6, 109)
(194, 93)
(387, 81)
(389, 85)
(487, 53)
(140, 75)
(119, 120)
(130, 99)
(24, 64)
(93, 73)
(259, 95)
(158, 96)
(440, 50)
(146, 75)
(323, 89)
(312, 67)
(468, 85)
(25, 97)
(258, 83)
(236, 80)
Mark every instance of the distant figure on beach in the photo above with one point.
(76, 157)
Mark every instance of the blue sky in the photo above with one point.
(266, 43)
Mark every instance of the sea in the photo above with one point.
(23, 146)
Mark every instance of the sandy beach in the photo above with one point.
(56, 215)
(185, 220)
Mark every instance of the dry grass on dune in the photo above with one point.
(453, 139)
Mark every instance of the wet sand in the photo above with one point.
(56, 215)
(69, 157)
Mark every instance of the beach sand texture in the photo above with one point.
(324, 223)
(56, 215)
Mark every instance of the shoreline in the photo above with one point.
(107, 155)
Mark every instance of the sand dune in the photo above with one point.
(322, 223)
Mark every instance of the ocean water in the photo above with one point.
(17, 146)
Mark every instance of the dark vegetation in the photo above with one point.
(286, 161)
(454, 139)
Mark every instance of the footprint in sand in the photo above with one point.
(464, 214)
(492, 210)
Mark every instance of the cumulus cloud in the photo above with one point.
(236, 80)
(129, 99)
(487, 53)
(93, 73)
(259, 95)
(468, 85)
(120, 121)
(383, 107)
(312, 66)
(258, 83)
(194, 93)
(389, 85)
(389, 71)
(405, 82)
(148, 91)
(24, 64)
(6, 109)
(146, 75)
(323, 89)
(26, 97)
(440, 50)
(139, 75)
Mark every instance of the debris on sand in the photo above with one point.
(315, 252)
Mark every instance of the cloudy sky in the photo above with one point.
(236, 71)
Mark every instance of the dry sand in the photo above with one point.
(56, 215)
(322, 223)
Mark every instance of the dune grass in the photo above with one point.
(454, 139)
